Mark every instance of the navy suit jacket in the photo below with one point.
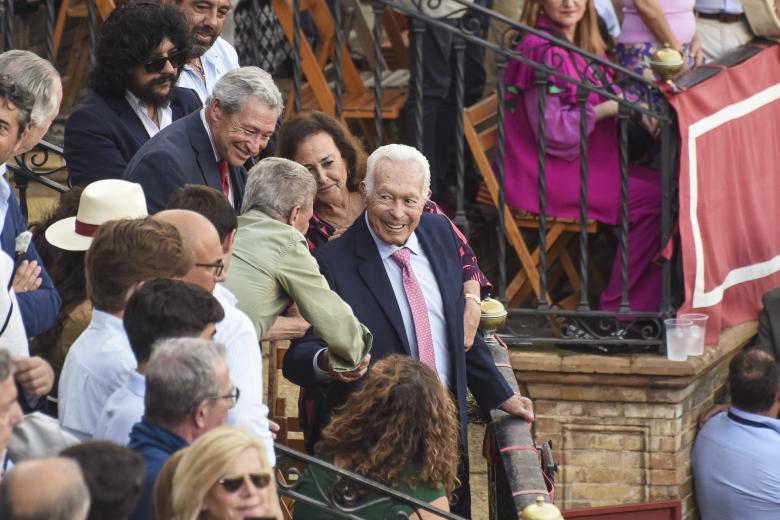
(38, 308)
(180, 154)
(103, 133)
(354, 269)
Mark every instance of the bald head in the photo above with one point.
(201, 237)
(52, 488)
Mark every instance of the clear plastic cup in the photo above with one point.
(696, 346)
(678, 336)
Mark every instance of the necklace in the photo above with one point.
(199, 68)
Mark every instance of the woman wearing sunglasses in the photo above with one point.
(224, 475)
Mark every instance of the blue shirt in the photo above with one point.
(217, 61)
(606, 11)
(430, 288)
(736, 467)
(39, 308)
(719, 6)
(156, 445)
(123, 409)
(98, 362)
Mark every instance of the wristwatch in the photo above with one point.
(472, 296)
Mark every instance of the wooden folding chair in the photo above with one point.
(357, 100)
(79, 57)
(480, 128)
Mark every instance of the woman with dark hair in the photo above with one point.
(66, 269)
(401, 430)
(337, 160)
(577, 22)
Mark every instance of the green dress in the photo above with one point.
(308, 487)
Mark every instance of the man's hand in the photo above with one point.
(712, 412)
(345, 377)
(273, 427)
(27, 277)
(471, 315)
(519, 406)
(34, 374)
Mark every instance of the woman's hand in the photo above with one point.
(696, 51)
(606, 109)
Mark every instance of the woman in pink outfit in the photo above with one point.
(576, 21)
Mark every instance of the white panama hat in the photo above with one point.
(101, 201)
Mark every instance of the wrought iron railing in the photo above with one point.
(634, 95)
(37, 166)
(346, 502)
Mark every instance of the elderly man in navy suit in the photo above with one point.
(140, 55)
(400, 271)
(210, 147)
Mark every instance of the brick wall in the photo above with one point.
(622, 427)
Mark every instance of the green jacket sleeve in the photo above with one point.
(348, 340)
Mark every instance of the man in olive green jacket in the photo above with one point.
(272, 266)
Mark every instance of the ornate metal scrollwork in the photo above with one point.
(343, 498)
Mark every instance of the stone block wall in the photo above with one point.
(622, 427)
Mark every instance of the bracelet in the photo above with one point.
(470, 296)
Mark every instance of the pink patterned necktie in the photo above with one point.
(414, 294)
(224, 176)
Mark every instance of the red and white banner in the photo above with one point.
(730, 190)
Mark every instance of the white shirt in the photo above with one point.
(123, 409)
(245, 362)
(5, 192)
(98, 362)
(229, 194)
(165, 114)
(14, 338)
(719, 6)
(430, 289)
(218, 60)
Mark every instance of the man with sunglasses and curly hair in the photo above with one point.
(139, 57)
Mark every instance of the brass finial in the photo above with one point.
(541, 511)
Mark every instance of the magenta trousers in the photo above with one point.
(644, 244)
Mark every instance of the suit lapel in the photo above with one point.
(128, 118)
(372, 270)
(205, 152)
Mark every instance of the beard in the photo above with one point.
(146, 92)
(198, 47)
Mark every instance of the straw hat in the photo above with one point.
(101, 201)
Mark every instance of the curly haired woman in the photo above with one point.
(400, 430)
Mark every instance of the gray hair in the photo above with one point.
(234, 88)
(181, 374)
(6, 365)
(397, 153)
(37, 75)
(275, 186)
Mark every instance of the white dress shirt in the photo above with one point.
(245, 362)
(430, 289)
(98, 362)
(5, 192)
(165, 113)
(218, 60)
(14, 338)
(123, 409)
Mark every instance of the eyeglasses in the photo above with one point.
(157, 64)
(232, 483)
(218, 267)
(234, 394)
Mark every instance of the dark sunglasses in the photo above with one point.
(157, 63)
(233, 483)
